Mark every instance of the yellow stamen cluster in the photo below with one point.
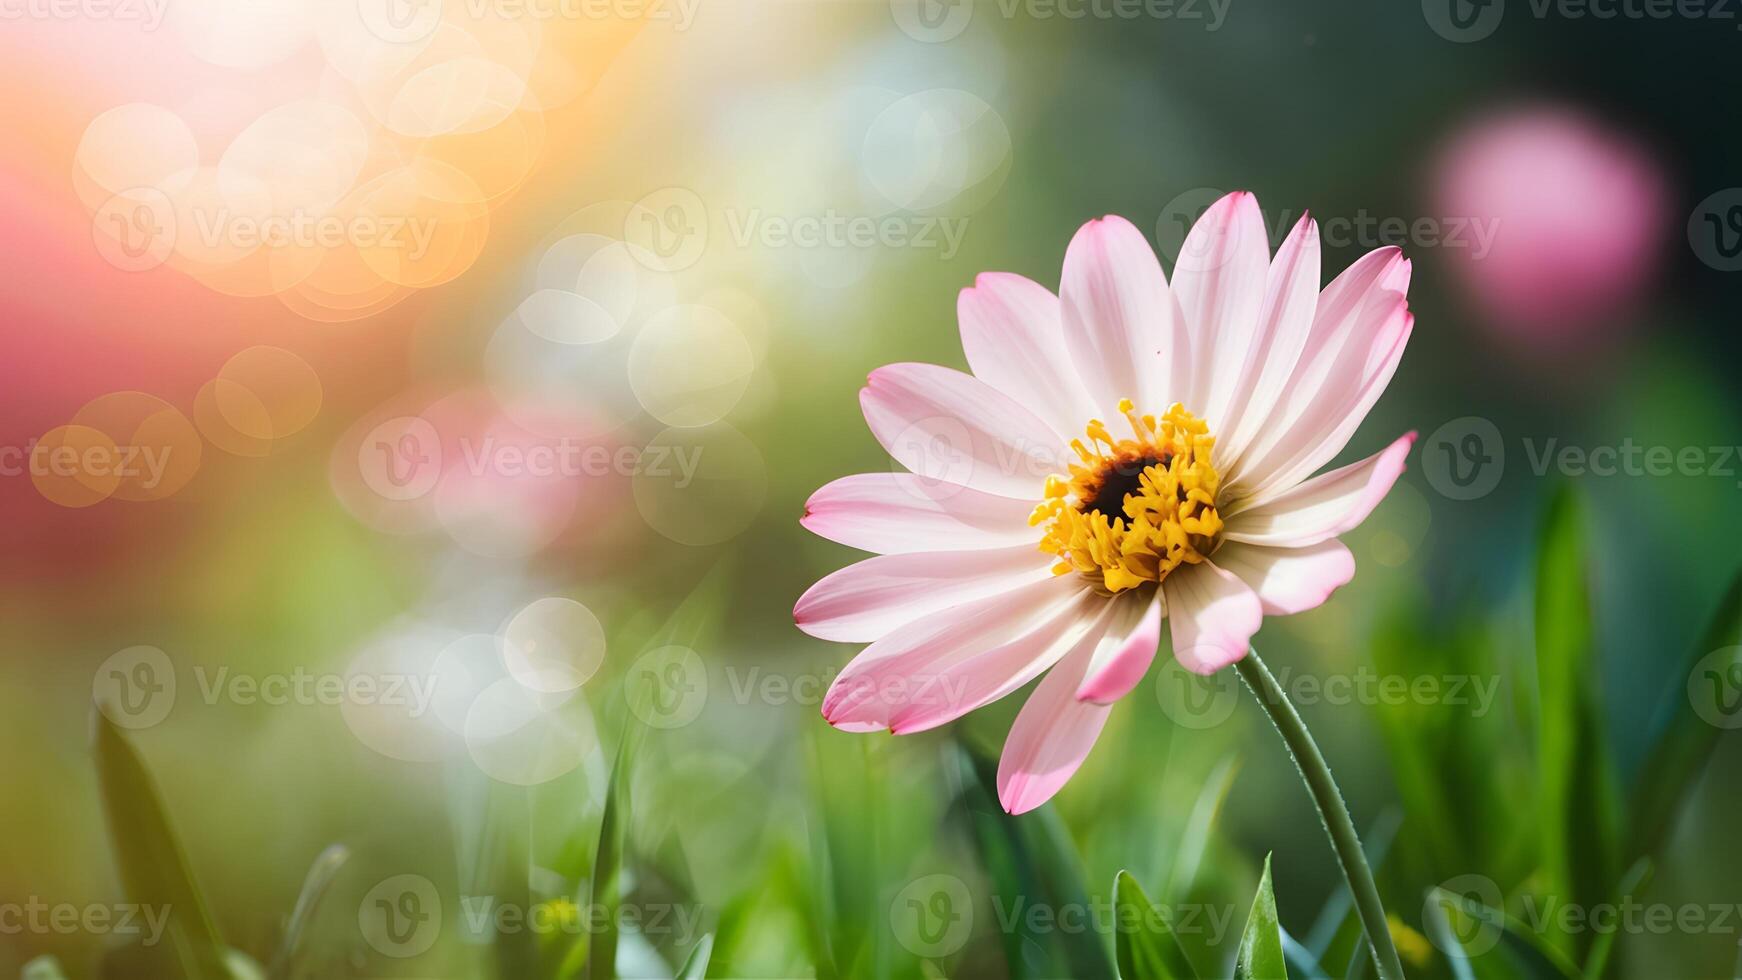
(1133, 509)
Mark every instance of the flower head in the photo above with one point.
(1029, 536)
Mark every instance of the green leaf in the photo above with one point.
(1689, 729)
(154, 872)
(1146, 947)
(1575, 773)
(314, 887)
(1261, 944)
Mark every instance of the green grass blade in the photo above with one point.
(153, 870)
(314, 887)
(1261, 956)
(1575, 773)
(1145, 946)
(1195, 839)
(607, 866)
(1491, 943)
(695, 965)
(1031, 857)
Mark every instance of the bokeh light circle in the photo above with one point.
(267, 393)
(553, 644)
(515, 739)
(690, 365)
(159, 448)
(935, 148)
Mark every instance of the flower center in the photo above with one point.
(1137, 508)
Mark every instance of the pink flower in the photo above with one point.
(1574, 215)
(1030, 537)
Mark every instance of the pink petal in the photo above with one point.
(1013, 335)
(943, 424)
(1213, 615)
(1357, 338)
(1323, 507)
(1052, 735)
(866, 600)
(1122, 325)
(1387, 352)
(889, 673)
(1220, 283)
(1117, 667)
(898, 513)
(1289, 580)
(948, 691)
(1291, 295)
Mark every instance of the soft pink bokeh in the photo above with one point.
(1578, 212)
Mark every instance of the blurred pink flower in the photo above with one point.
(1576, 211)
(1012, 549)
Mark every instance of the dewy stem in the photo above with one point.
(1332, 811)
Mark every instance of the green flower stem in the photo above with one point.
(1332, 811)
